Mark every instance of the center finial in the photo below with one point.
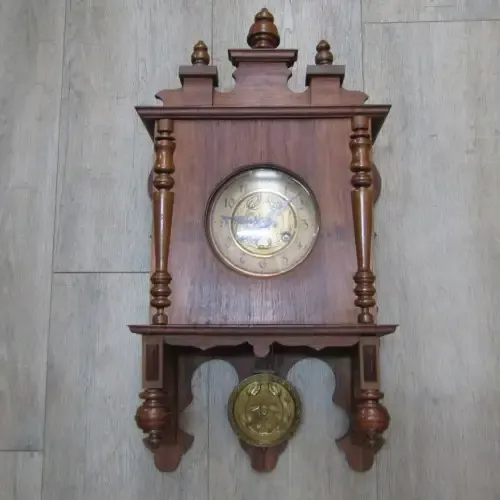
(263, 33)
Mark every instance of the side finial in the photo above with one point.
(263, 33)
(323, 53)
(200, 54)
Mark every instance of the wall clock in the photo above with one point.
(265, 256)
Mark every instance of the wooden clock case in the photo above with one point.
(201, 309)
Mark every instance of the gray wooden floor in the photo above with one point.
(75, 221)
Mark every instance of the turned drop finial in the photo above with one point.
(323, 53)
(263, 33)
(200, 54)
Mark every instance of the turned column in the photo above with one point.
(154, 415)
(369, 418)
(163, 204)
(362, 211)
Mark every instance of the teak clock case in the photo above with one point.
(202, 309)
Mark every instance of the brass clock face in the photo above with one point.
(262, 221)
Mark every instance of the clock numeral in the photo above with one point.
(243, 189)
(300, 246)
(284, 260)
(262, 264)
(229, 203)
(242, 260)
(305, 224)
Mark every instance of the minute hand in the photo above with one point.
(269, 220)
(281, 208)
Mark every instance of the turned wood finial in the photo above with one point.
(152, 416)
(200, 54)
(371, 418)
(263, 33)
(323, 53)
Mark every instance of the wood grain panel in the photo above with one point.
(102, 219)
(30, 86)
(117, 54)
(301, 25)
(438, 258)
(319, 291)
(20, 475)
(93, 448)
(429, 10)
(317, 468)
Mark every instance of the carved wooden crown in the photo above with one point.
(261, 76)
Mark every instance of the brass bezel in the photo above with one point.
(213, 196)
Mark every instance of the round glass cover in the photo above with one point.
(262, 221)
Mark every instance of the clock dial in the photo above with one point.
(262, 221)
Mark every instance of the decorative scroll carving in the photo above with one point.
(362, 210)
(163, 204)
(262, 337)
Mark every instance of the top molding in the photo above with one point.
(261, 86)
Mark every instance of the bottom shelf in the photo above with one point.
(172, 353)
(261, 337)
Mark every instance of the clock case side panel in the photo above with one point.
(319, 290)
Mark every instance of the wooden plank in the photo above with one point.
(438, 256)
(30, 86)
(429, 10)
(21, 475)
(93, 448)
(97, 188)
(301, 25)
(317, 468)
(117, 54)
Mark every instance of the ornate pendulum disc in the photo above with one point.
(264, 410)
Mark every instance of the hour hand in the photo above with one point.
(260, 222)
(239, 219)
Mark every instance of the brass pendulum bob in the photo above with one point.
(264, 409)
